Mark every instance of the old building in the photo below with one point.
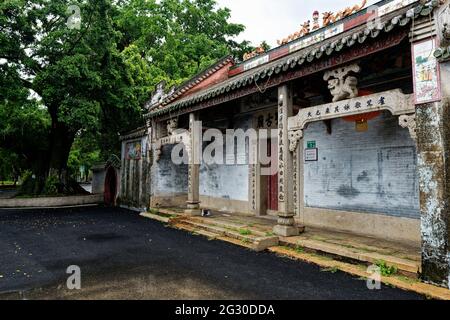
(359, 110)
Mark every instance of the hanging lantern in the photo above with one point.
(361, 120)
(361, 125)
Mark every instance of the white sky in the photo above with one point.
(275, 19)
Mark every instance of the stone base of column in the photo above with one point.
(287, 231)
(193, 209)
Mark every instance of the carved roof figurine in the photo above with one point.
(258, 51)
(305, 29)
(329, 17)
(342, 82)
(172, 126)
(158, 95)
(316, 24)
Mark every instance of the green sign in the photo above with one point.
(311, 144)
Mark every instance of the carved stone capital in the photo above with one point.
(409, 121)
(172, 126)
(294, 138)
(342, 82)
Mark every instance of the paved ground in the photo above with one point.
(124, 256)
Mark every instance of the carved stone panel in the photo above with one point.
(342, 82)
(409, 121)
(394, 101)
(172, 126)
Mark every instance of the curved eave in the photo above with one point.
(301, 58)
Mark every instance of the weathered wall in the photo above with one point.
(135, 177)
(222, 181)
(373, 171)
(433, 133)
(169, 178)
(227, 182)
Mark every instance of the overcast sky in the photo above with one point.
(275, 19)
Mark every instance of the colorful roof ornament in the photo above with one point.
(328, 18)
(258, 51)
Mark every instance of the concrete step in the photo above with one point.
(403, 265)
(155, 217)
(255, 242)
(228, 225)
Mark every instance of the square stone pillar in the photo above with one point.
(194, 150)
(433, 137)
(286, 223)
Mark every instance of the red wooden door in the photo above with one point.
(272, 185)
(110, 186)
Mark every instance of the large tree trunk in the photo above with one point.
(61, 140)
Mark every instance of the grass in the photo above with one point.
(332, 269)
(385, 269)
(244, 232)
(269, 234)
(164, 215)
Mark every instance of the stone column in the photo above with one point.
(433, 136)
(194, 149)
(286, 223)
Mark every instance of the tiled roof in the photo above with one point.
(358, 35)
(137, 133)
(197, 79)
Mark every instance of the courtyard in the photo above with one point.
(124, 256)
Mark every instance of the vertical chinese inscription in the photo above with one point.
(281, 177)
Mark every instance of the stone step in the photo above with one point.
(256, 242)
(155, 217)
(403, 265)
(228, 225)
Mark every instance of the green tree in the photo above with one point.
(65, 77)
(78, 73)
(179, 38)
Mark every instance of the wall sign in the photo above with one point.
(311, 144)
(395, 101)
(266, 119)
(427, 85)
(311, 154)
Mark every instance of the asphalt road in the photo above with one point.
(124, 256)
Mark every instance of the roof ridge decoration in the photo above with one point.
(296, 59)
(328, 18)
(258, 51)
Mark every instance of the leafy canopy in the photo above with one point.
(61, 84)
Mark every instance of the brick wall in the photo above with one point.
(373, 171)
